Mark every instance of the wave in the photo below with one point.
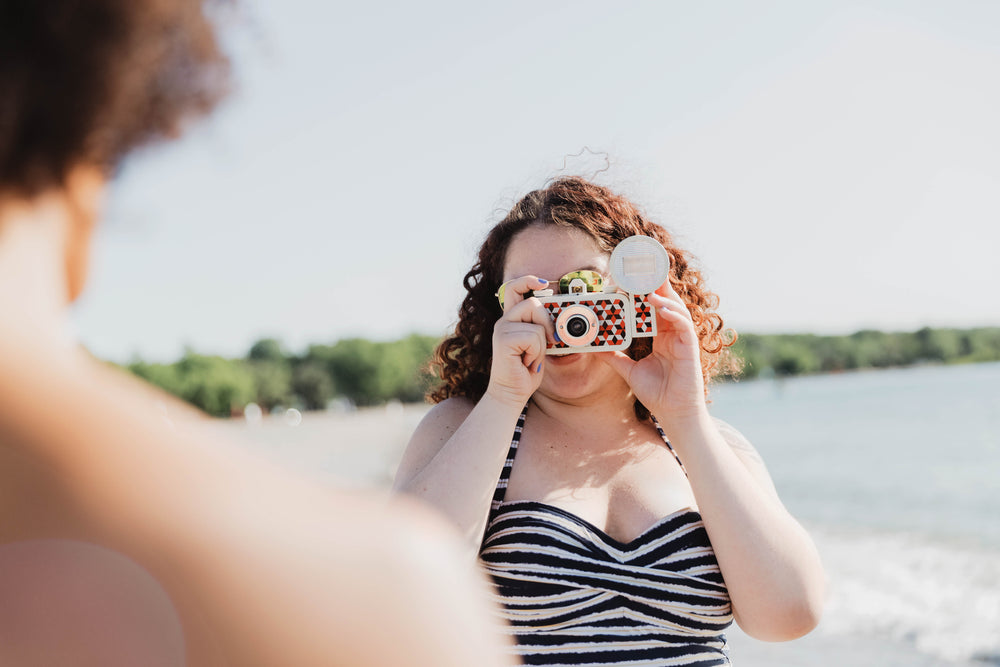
(943, 598)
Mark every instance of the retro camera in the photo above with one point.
(588, 319)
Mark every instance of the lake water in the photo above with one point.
(897, 475)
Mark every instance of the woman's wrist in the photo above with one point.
(683, 425)
(502, 401)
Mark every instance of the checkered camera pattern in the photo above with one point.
(613, 325)
(645, 319)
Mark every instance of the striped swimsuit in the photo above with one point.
(572, 595)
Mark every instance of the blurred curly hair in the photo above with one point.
(87, 81)
(462, 360)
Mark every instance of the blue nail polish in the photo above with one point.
(555, 335)
(543, 281)
(538, 368)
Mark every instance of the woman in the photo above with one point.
(609, 540)
(127, 538)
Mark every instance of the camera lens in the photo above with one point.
(577, 326)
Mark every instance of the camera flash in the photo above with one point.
(639, 264)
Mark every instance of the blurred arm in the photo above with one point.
(263, 568)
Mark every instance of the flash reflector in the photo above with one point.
(639, 264)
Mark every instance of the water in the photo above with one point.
(896, 474)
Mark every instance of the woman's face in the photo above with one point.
(550, 252)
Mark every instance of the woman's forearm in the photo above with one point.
(771, 566)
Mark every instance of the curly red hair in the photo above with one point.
(462, 360)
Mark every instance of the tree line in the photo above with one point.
(783, 355)
(356, 371)
(360, 372)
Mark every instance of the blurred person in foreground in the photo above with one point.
(128, 538)
(621, 522)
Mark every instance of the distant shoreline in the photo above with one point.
(360, 372)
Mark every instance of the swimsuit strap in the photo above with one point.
(667, 443)
(501, 489)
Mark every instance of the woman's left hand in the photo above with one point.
(669, 380)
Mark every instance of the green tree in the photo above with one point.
(354, 366)
(982, 344)
(164, 376)
(371, 372)
(267, 349)
(939, 344)
(794, 355)
(272, 383)
(402, 374)
(312, 384)
(216, 385)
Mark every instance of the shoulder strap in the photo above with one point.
(501, 490)
(667, 442)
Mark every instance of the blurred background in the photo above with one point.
(832, 165)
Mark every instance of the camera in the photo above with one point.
(588, 319)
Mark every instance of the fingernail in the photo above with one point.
(543, 281)
(555, 334)
(538, 368)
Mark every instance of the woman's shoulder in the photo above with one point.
(431, 434)
(450, 411)
(746, 452)
(731, 434)
(442, 420)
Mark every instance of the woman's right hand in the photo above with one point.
(520, 338)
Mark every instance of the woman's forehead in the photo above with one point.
(551, 252)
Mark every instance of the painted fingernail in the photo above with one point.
(543, 281)
(538, 368)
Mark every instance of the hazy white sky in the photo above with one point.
(833, 165)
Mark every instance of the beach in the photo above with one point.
(891, 472)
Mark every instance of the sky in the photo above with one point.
(832, 166)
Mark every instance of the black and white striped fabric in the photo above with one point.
(572, 595)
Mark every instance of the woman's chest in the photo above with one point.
(623, 488)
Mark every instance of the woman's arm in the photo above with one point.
(454, 460)
(770, 564)
(457, 453)
(771, 567)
